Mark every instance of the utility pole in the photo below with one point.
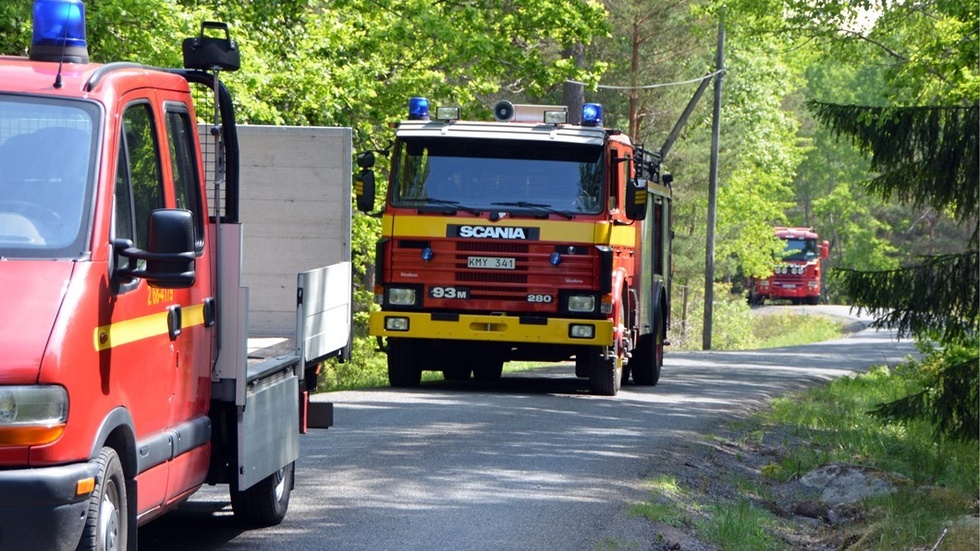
(709, 250)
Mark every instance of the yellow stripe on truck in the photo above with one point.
(491, 328)
(144, 327)
(597, 233)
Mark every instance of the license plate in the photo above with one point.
(789, 286)
(491, 263)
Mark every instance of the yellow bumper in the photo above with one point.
(491, 328)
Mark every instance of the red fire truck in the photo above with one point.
(523, 238)
(796, 275)
(124, 379)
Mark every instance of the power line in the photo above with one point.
(651, 86)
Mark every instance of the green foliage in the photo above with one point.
(823, 424)
(735, 327)
(834, 421)
(739, 527)
(949, 379)
(667, 513)
(924, 156)
(938, 297)
(788, 329)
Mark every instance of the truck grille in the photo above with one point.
(532, 273)
(491, 247)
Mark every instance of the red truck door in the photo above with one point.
(142, 356)
(164, 359)
(193, 346)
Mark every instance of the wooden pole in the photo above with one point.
(709, 250)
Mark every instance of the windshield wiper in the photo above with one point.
(447, 203)
(539, 206)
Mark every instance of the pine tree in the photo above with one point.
(924, 156)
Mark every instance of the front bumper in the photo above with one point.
(789, 290)
(40, 508)
(492, 328)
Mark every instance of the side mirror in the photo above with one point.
(170, 260)
(364, 190)
(636, 199)
(825, 250)
(364, 182)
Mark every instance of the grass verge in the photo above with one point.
(935, 508)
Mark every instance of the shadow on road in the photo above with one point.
(451, 464)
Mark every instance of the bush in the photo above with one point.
(946, 393)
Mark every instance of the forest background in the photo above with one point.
(356, 62)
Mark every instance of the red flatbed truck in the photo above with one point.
(125, 379)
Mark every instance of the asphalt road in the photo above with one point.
(532, 462)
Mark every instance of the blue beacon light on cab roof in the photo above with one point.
(59, 31)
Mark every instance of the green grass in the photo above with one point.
(830, 423)
(788, 329)
(739, 527)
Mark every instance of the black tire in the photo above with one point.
(813, 301)
(604, 376)
(265, 503)
(489, 369)
(404, 367)
(108, 520)
(457, 373)
(647, 360)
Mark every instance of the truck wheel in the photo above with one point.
(265, 503)
(107, 521)
(404, 369)
(604, 376)
(489, 369)
(456, 373)
(647, 360)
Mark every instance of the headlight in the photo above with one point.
(396, 324)
(581, 303)
(581, 331)
(32, 415)
(401, 297)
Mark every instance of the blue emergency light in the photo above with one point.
(592, 114)
(59, 31)
(418, 109)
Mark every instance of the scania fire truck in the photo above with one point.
(796, 274)
(126, 377)
(522, 238)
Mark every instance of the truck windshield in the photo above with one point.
(539, 178)
(47, 166)
(800, 249)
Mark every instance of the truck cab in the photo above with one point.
(797, 273)
(523, 238)
(124, 379)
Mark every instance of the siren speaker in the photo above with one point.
(503, 111)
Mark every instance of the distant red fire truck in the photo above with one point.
(796, 276)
